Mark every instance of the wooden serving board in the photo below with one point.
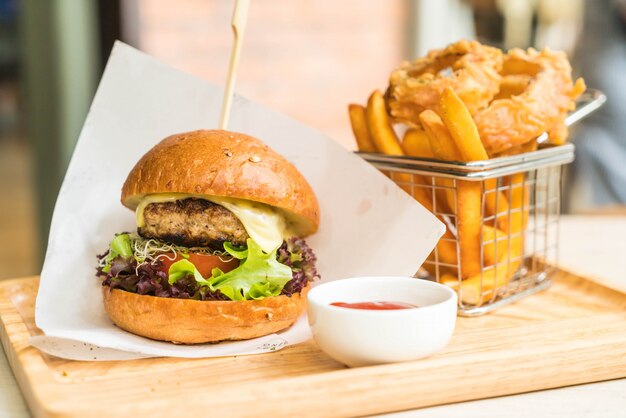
(573, 333)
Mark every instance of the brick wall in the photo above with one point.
(306, 58)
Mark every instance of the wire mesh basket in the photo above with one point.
(502, 218)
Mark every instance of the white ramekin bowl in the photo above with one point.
(358, 337)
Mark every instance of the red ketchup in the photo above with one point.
(375, 306)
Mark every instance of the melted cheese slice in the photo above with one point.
(263, 223)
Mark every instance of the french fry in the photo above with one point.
(446, 250)
(385, 141)
(457, 118)
(443, 148)
(478, 289)
(468, 198)
(509, 252)
(446, 253)
(520, 199)
(383, 135)
(415, 143)
(446, 247)
(450, 280)
(471, 291)
(441, 142)
(468, 226)
(359, 128)
(402, 180)
(519, 196)
(421, 194)
(462, 128)
(496, 204)
(494, 244)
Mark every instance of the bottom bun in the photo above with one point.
(186, 321)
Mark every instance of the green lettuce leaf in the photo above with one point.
(119, 246)
(258, 276)
(183, 268)
(238, 253)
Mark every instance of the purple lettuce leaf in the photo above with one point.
(296, 254)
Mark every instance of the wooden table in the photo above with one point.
(590, 246)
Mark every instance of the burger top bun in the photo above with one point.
(227, 164)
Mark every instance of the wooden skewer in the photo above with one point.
(238, 23)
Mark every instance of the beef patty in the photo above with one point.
(192, 223)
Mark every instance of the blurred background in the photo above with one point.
(306, 58)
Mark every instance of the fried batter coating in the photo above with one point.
(472, 70)
(513, 121)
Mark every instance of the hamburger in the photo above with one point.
(218, 253)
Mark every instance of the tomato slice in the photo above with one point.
(205, 263)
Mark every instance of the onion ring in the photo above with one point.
(416, 86)
(513, 121)
(513, 85)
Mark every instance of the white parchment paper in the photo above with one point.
(369, 226)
